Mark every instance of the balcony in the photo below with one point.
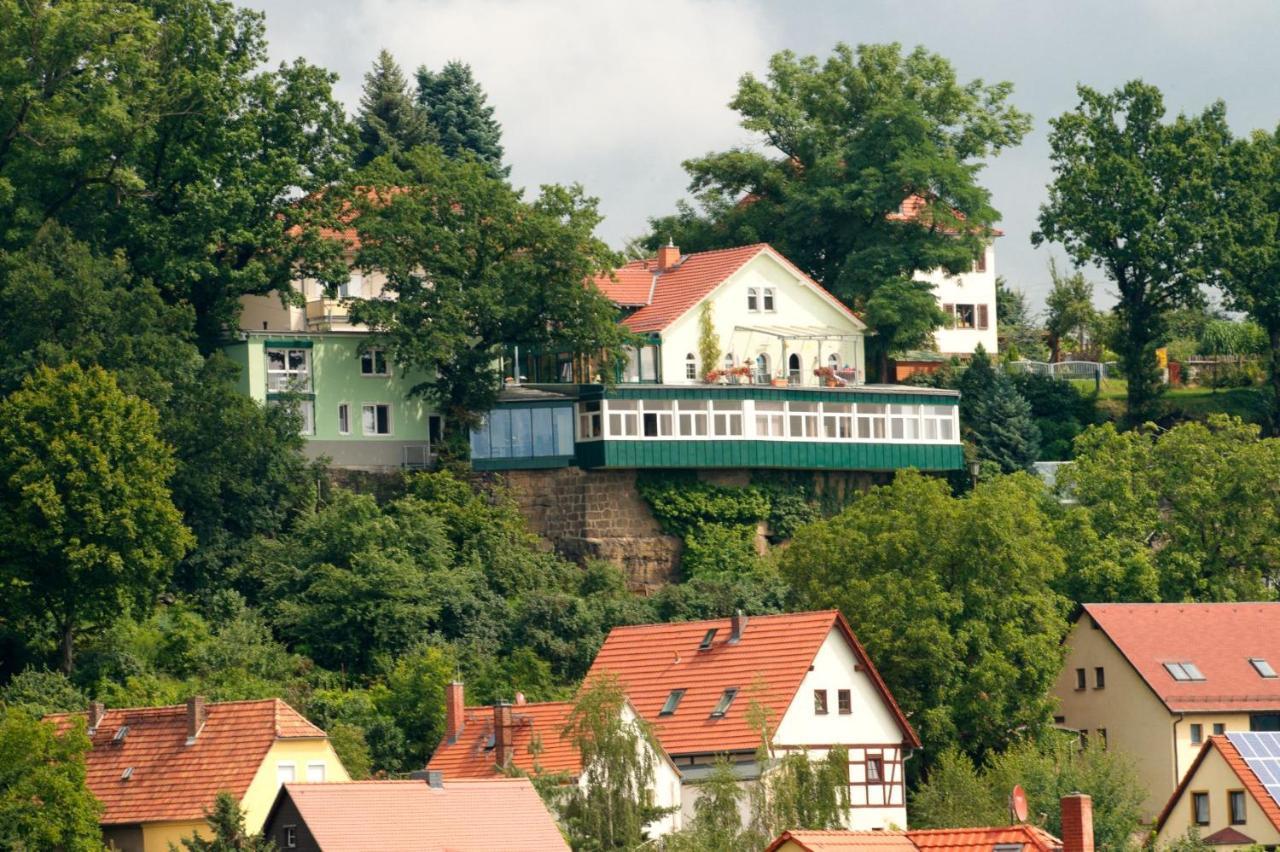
(326, 313)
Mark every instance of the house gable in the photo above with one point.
(1217, 770)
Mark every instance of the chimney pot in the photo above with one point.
(197, 713)
(454, 711)
(1077, 823)
(96, 711)
(503, 747)
(668, 256)
(520, 702)
(737, 625)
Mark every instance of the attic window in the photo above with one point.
(726, 699)
(489, 742)
(707, 639)
(673, 701)
(1183, 671)
(121, 733)
(1262, 667)
(127, 774)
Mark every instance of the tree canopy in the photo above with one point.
(44, 803)
(456, 107)
(389, 121)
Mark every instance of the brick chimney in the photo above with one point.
(197, 713)
(1077, 823)
(520, 699)
(503, 748)
(736, 627)
(454, 711)
(96, 711)
(668, 256)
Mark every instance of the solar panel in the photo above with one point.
(1261, 751)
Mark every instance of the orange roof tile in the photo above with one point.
(412, 816)
(933, 840)
(471, 756)
(1150, 635)
(1257, 789)
(914, 209)
(172, 780)
(766, 666)
(664, 297)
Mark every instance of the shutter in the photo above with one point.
(982, 316)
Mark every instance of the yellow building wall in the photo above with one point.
(157, 836)
(1188, 750)
(1136, 722)
(1215, 777)
(300, 752)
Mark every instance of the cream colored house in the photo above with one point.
(157, 770)
(1230, 795)
(1157, 680)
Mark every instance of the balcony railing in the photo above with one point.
(324, 311)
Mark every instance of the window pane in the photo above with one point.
(564, 431)
(521, 433)
(500, 434)
(480, 442)
(544, 436)
(369, 420)
(275, 359)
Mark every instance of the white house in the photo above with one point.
(769, 317)
(697, 683)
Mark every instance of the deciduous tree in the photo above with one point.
(44, 803)
(1070, 312)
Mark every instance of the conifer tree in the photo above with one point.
(389, 121)
(996, 418)
(229, 831)
(457, 109)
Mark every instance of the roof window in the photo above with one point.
(121, 733)
(1183, 671)
(1262, 667)
(707, 639)
(673, 701)
(726, 698)
(127, 774)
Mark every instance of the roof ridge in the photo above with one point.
(750, 618)
(158, 708)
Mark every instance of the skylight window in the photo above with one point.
(726, 699)
(673, 701)
(127, 774)
(121, 733)
(1262, 667)
(707, 639)
(1183, 671)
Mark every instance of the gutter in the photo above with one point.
(1177, 776)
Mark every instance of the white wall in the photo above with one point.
(666, 787)
(796, 304)
(870, 729)
(971, 288)
(257, 310)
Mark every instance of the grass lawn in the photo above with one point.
(1188, 403)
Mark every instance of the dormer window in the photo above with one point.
(726, 699)
(1262, 667)
(673, 701)
(753, 299)
(707, 639)
(1183, 671)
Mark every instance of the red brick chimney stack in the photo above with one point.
(96, 711)
(503, 747)
(668, 256)
(1077, 823)
(454, 711)
(197, 713)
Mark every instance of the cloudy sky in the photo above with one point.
(616, 94)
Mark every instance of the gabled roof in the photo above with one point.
(663, 297)
(1218, 638)
(766, 666)
(915, 208)
(1031, 838)
(170, 779)
(413, 816)
(471, 756)
(1228, 745)
(1228, 837)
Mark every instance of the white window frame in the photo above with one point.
(289, 767)
(344, 413)
(311, 771)
(288, 379)
(769, 300)
(391, 420)
(753, 300)
(372, 354)
(690, 367)
(290, 837)
(590, 417)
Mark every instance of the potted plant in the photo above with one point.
(828, 377)
(714, 376)
(780, 380)
(740, 374)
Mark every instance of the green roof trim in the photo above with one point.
(287, 344)
(789, 455)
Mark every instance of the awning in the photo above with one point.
(802, 332)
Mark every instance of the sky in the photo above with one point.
(615, 95)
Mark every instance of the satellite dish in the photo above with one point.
(1018, 803)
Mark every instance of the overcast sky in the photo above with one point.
(615, 95)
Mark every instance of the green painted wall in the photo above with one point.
(775, 454)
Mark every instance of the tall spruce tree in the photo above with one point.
(457, 109)
(389, 121)
(996, 418)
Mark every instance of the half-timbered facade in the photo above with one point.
(697, 683)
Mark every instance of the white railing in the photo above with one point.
(1063, 369)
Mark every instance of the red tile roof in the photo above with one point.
(1229, 837)
(914, 208)
(471, 756)
(1219, 638)
(172, 780)
(412, 816)
(767, 666)
(664, 297)
(933, 840)
(1236, 762)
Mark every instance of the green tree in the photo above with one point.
(87, 525)
(1070, 310)
(1019, 333)
(996, 418)
(389, 122)
(1199, 499)
(1249, 247)
(799, 792)
(611, 808)
(708, 341)
(457, 108)
(473, 267)
(44, 803)
(40, 692)
(952, 597)
(226, 818)
(717, 820)
(1137, 197)
(845, 142)
(413, 697)
(956, 795)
